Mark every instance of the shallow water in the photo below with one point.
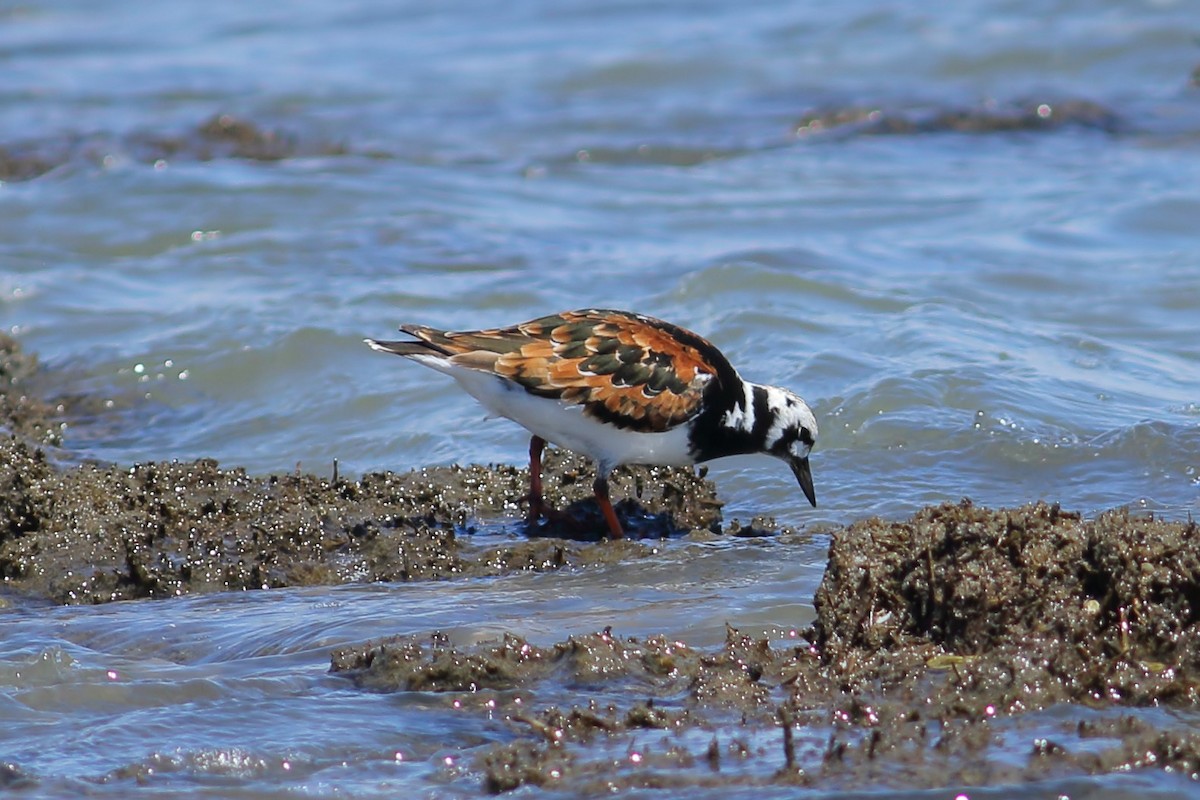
(1006, 316)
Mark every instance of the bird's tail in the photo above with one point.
(409, 348)
(429, 342)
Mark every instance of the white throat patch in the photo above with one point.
(741, 417)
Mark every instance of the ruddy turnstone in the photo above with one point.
(620, 388)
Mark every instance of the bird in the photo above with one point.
(620, 388)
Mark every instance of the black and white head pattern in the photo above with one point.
(774, 420)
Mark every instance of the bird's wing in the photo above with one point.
(634, 371)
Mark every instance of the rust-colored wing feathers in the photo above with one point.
(633, 371)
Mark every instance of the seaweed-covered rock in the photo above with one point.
(93, 534)
(1036, 603)
(23, 411)
(969, 579)
(656, 713)
(412, 664)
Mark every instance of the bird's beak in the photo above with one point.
(803, 474)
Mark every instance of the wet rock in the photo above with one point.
(94, 534)
(1083, 609)
(991, 118)
(409, 664)
(22, 161)
(739, 676)
(522, 764)
(404, 664)
(226, 136)
(23, 411)
(14, 778)
(222, 136)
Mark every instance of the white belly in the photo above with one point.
(567, 426)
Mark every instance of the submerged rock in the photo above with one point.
(989, 118)
(221, 136)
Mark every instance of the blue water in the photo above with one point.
(1004, 316)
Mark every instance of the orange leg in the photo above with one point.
(600, 487)
(537, 506)
(538, 509)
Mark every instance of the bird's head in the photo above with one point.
(791, 435)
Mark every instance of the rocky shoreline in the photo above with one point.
(936, 640)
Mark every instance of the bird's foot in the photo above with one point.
(546, 520)
(539, 510)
